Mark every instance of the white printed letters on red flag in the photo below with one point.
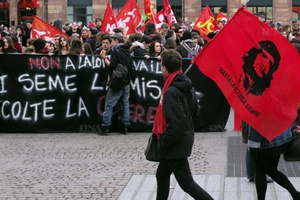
(168, 12)
(109, 20)
(129, 17)
(257, 69)
(42, 29)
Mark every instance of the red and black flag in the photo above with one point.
(257, 69)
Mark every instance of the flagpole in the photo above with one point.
(188, 69)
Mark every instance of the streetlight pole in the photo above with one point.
(183, 10)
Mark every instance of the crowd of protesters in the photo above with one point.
(87, 40)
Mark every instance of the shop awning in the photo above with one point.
(4, 4)
(29, 4)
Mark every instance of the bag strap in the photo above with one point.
(118, 56)
(197, 47)
(189, 49)
(121, 61)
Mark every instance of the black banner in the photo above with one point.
(67, 94)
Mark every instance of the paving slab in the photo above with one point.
(59, 166)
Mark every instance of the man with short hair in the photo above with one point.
(105, 48)
(120, 54)
(163, 31)
(187, 45)
(179, 34)
(92, 38)
(98, 23)
(27, 31)
(73, 29)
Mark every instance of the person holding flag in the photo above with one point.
(259, 78)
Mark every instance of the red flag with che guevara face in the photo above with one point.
(206, 23)
(257, 69)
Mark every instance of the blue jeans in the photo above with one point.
(183, 175)
(111, 100)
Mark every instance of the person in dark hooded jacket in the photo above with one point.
(120, 54)
(174, 128)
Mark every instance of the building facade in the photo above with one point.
(13, 12)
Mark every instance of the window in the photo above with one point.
(4, 13)
(263, 12)
(296, 10)
(176, 6)
(215, 6)
(80, 11)
(263, 9)
(117, 5)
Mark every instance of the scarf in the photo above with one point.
(159, 125)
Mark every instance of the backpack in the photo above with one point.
(192, 52)
(119, 77)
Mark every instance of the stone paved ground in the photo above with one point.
(88, 166)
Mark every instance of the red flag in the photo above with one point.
(129, 17)
(221, 17)
(148, 9)
(257, 69)
(41, 29)
(168, 12)
(109, 20)
(159, 17)
(206, 23)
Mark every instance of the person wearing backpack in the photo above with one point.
(120, 55)
(187, 48)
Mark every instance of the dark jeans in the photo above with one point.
(249, 165)
(183, 175)
(266, 162)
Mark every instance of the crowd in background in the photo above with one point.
(88, 40)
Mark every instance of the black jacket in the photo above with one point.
(92, 41)
(179, 102)
(121, 54)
